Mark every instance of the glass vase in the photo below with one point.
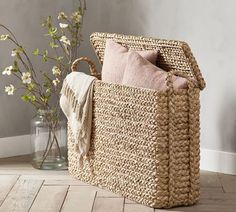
(48, 141)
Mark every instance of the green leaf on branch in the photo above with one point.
(15, 66)
(36, 52)
(45, 56)
(33, 98)
(15, 63)
(44, 99)
(52, 31)
(59, 58)
(28, 98)
(47, 22)
(53, 45)
(31, 86)
(25, 98)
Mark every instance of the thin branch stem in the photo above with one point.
(57, 143)
(29, 62)
(24, 64)
(49, 138)
(11, 33)
(63, 48)
(25, 54)
(52, 58)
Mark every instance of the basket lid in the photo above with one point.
(173, 55)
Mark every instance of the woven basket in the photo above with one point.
(144, 143)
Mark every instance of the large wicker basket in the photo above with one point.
(145, 143)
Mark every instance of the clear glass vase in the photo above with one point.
(49, 141)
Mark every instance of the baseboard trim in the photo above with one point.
(14, 146)
(211, 160)
(218, 161)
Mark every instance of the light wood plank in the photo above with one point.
(101, 193)
(28, 170)
(64, 182)
(52, 176)
(214, 198)
(108, 205)
(49, 199)
(175, 209)
(217, 192)
(21, 196)
(137, 208)
(171, 210)
(210, 190)
(78, 188)
(209, 179)
(228, 182)
(54, 179)
(6, 184)
(80, 199)
(210, 208)
(216, 207)
(128, 201)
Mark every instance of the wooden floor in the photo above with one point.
(23, 188)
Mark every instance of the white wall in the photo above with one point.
(207, 25)
(209, 28)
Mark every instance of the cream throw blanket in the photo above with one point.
(76, 103)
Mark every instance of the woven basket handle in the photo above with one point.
(169, 82)
(92, 67)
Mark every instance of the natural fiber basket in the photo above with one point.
(145, 143)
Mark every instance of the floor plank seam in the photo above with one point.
(10, 190)
(64, 197)
(123, 205)
(221, 184)
(36, 194)
(95, 197)
(223, 189)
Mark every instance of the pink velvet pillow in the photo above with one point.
(115, 60)
(141, 73)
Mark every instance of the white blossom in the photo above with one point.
(76, 16)
(7, 70)
(56, 81)
(63, 26)
(56, 70)
(4, 37)
(61, 15)
(14, 53)
(26, 77)
(9, 89)
(65, 40)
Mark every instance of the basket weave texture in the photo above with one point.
(145, 143)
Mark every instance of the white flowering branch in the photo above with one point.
(64, 44)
